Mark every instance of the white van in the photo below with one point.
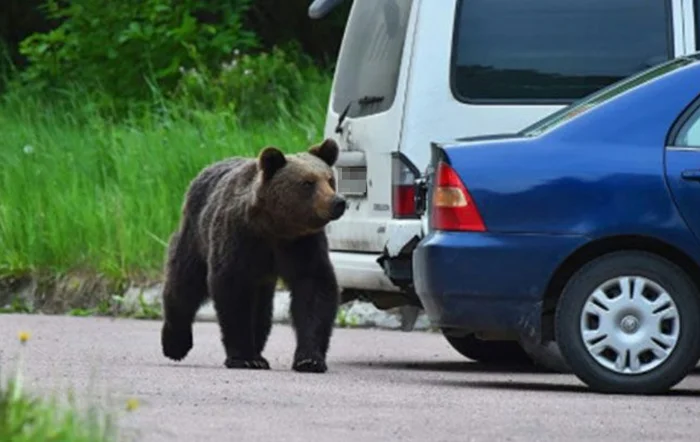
(410, 72)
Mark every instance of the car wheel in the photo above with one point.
(489, 352)
(629, 322)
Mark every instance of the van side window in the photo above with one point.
(689, 135)
(554, 50)
(370, 59)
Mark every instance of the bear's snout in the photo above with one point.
(338, 207)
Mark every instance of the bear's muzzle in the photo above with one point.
(338, 207)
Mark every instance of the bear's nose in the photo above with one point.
(338, 208)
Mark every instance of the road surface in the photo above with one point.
(381, 386)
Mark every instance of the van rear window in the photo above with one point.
(370, 59)
(554, 50)
(697, 24)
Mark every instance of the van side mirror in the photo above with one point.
(321, 8)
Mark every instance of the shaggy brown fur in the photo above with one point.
(245, 223)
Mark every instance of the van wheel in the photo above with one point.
(489, 352)
(629, 322)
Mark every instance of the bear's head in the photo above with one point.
(297, 191)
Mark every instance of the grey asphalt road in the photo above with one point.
(381, 386)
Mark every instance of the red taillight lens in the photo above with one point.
(402, 188)
(404, 201)
(452, 206)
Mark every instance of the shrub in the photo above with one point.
(121, 46)
(253, 86)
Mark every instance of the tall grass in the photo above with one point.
(78, 191)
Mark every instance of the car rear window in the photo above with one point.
(554, 50)
(370, 59)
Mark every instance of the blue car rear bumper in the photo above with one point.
(488, 282)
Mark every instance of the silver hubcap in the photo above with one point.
(630, 325)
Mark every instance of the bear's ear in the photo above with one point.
(270, 160)
(327, 151)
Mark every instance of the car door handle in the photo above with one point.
(691, 175)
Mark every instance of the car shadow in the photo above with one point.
(459, 366)
(476, 367)
(545, 387)
(447, 366)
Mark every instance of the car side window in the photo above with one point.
(554, 50)
(689, 135)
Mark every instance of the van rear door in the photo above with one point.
(365, 115)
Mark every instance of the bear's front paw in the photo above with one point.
(256, 363)
(176, 342)
(310, 365)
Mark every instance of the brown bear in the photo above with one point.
(246, 222)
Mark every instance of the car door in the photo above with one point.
(683, 167)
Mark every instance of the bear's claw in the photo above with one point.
(258, 363)
(310, 365)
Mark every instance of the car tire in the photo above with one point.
(660, 321)
(489, 352)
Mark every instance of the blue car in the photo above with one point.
(582, 229)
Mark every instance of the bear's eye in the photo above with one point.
(308, 183)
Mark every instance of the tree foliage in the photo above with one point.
(123, 44)
(127, 49)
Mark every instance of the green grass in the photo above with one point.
(24, 418)
(78, 192)
(28, 418)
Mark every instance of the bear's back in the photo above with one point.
(213, 179)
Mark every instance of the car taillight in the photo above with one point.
(452, 207)
(403, 176)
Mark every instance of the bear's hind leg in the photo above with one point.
(235, 287)
(184, 291)
(264, 308)
(235, 310)
(309, 273)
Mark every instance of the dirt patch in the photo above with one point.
(89, 294)
(57, 293)
(80, 293)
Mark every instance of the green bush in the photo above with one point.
(122, 46)
(253, 86)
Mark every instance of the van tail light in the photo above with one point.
(403, 177)
(452, 206)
